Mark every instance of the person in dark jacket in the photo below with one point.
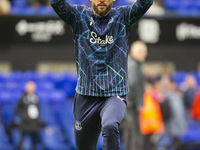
(176, 124)
(28, 110)
(133, 138)
(190, 92)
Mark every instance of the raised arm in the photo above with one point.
(137, 10)
(67, 12)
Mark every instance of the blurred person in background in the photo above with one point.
(195, 108)
(5, 7)
(151, 122)
(165, 76)
(158, 88)
(176, 123)
(28, 110)
(190, 92)
(133, 138)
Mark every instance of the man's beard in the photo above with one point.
(101, 13)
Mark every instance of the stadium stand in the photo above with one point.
(56, 91)
(177, 7)
(183, 7)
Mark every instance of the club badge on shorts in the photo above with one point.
(78, 126)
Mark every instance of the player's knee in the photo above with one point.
(109, 130)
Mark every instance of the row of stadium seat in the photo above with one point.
(15, 81)
(55, 91)
(179, 77)
(58, 134)
(55, 83)
(35, 76)
(20, 7)
(190, 140)
(177, 4)
(183, 7)
(60, 121)
(180, 7)
(66, 81)
(30, 10)
(21, 3)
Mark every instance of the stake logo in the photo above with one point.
(102, 42)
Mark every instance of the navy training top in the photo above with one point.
(101, 45)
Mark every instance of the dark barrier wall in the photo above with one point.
(26, 40)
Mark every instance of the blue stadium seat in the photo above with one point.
(69, 132)
(52, 139)
(193, 132)
(179, 77)
(59, 80)
(46, 86)
(50, 76)
(187, 12)
(19, 3)
(58, 96)
(24, 11)
(4, 142)
(100, 142)
(1, 86)
(196, 74)
(44, 77)
(64, 78)
(8, 97)
(16, 134)
(27, 145)
(2, 77)
(43, 96)
(30, 75)
(183, 7)
(29, 10)
(69, 89)
(69, 84)
(8, 101)
(53, 103)
(45, 10)
(65, 120)
(171, 4)
(197, 4)
(15, 76)
(46, 114)
(122, 3)
(12, 86)
(86, 2)
(164, 142)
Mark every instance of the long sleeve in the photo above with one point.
(21, 109)
(67, 12)
(137, 10)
